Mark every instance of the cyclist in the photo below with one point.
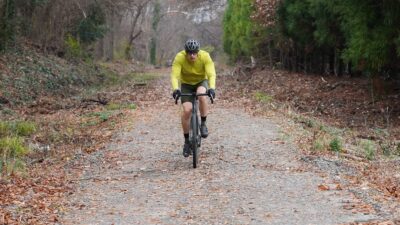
(194, 70)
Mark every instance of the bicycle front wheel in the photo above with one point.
(194, 130)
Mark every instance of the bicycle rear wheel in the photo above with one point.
(194, 131)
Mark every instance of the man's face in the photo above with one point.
(191, 56)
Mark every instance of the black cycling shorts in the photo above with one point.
(188, 88)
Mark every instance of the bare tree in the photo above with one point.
(183, 20)
(115, 11)
(136, 10)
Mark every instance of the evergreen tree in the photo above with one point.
(371, 32)
(311, 34)
(92, 27)
(238, 29)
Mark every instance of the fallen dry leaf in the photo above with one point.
(323, 187)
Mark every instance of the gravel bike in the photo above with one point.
(194, 131)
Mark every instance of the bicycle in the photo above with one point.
(194, 131)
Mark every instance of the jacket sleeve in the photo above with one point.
(210, 71)
(176, 73)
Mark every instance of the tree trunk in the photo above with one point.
(110, 50)
(305, 63)
(132, 35)
(270, 54)
(130, 45)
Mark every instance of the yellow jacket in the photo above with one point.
(187, 72)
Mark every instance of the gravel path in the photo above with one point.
(247, 175)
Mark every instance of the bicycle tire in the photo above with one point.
(194, 127)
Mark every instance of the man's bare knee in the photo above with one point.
(203, 99)
(201, 90)
(187, 110)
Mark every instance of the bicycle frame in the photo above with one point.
(194, 131)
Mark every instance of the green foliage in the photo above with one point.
(369, 149)
(113, 106)
(238, 29)
(142, 77)
(335, 145)
(363, 33)
(326, 30)
(318, 145)
(95, 118)
(370, 29)
(262, 97)
(295, 14)
(31, 75)
(116, 106)
(25, 128)
(131, 106)
(119, 51)
(104, 116)
(12, 150)
(12, 147)
(92, 27)
(73, 47)
(153, 49)
(20, 128)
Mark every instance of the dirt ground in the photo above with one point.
(257, 166)
(355, 103)
(250, 173)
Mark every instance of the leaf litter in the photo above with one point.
(41, 193)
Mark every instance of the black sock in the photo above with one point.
(186, 137)
(203, 119)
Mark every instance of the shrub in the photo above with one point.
(318, 145)
(25, 128)
(119, 51)
(4, 128)
(12, 149)
(335, 145)
(73, 47)
(262, 97)
(369, 149)
(19, 128)
(104, 116)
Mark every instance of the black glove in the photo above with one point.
(176, 94)
(211, 93)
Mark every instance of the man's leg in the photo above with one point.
(187, 111)
(203, 101)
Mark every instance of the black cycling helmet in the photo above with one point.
(192, 46)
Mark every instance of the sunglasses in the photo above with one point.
(192, 52)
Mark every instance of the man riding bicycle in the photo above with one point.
(194, 70)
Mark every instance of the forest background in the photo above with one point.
(336, 61)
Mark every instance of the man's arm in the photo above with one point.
(176, 74)
(210, 71)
